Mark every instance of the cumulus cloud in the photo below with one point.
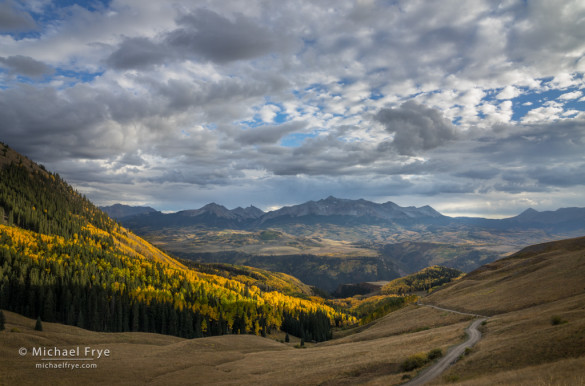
(25, 65)
(14, 19)
(218, 38)
(138, 52)
(416, 127)
(509, 92)
(571, 95)
(200, 35)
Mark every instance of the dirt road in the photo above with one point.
(473, 336)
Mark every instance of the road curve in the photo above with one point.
(473, 336)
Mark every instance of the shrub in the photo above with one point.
(414, 362)
(451, 378)
(39, 324)
(419, 360)
(434, 354)
(556, 320)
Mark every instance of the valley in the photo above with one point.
(536, 337)
(333, 241)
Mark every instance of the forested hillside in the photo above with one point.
(64, 260)
(426, 279)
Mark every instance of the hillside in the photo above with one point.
(536, 298)
(426, 279)
(534, 336)
(541, 273)
(64, 260)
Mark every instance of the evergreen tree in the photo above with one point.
(135, 324)
(287, 338)
(39, 324)
(2, 321)
(49, 306)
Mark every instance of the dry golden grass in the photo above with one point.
(566, 372)
(538, 275)
(521, 344)
(139, 358)
(410, 319)
(525, 339)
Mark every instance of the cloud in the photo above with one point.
(201, 35)
(190, 101)
(138, 52)
(509, 92)
(571, 95)
(25, 65)
(549, 111)
(416, 128)
(218, 38)
(268, 134)
(13, 19)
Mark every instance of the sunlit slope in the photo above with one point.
(424, 280)
(263, 279)
(536, 275)
(536, 298)
(64, 260)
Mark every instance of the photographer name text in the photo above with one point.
(75, 352)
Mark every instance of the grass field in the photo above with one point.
(139, 358)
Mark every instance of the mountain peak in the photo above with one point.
(529, 211)
(213, 206)
(250, 212)
(120, 211)
(332, 206)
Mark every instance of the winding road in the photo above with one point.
(473, 336)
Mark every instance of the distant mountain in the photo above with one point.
(338, 211)
(329, 210)
(249, 212)
(333, 207)
(565, 218)
(220, 211)
(211, 215)
(119, 211)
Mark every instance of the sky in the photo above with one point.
(474, 107)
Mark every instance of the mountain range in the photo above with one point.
(329, 210)
(335, 210)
